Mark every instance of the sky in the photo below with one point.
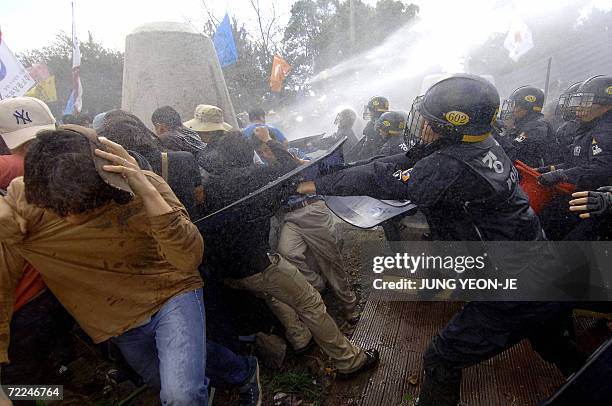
(31, 24)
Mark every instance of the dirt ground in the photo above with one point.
(301, 381)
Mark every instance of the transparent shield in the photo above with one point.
(415, 124)
(505, 113)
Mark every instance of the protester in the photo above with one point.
(173, 136)
(98, 121)
(239, 252)
(82, 119)
(257, 117)
(39, 321)
(179, 169)
(81, 218)
(306, 227)
(208, 123)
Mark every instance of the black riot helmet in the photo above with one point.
(596, 90)
(391, 123)
(460, 108)
(527, 97)
(345, 118)
(375, 107)
(562, 110)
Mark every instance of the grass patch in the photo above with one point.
(301, 384)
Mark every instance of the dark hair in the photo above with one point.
(82, 119)
(127, 129)
(68, 119)
(257, 114)
(168, 116)
(235, 151)
(60, 175)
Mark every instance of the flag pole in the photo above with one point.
(547, 78)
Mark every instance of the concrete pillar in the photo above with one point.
(169, 63)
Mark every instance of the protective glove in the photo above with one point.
(544, 169)
(593, 204)
(552, 178)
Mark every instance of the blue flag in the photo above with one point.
(69, 109)
(224, 43)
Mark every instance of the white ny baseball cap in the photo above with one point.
(21, 118)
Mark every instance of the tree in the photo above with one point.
(248, 79)
(101, 73)
(322, 33)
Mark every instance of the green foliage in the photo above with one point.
(101, 73)
(297, 383)
(322, 33)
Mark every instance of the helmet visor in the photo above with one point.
(367, 113)
(580, 104)
(505, 113)
(562, 110)
(416, 125)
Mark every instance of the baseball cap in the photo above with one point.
(113, 179)
(21, 118)
(207, 118)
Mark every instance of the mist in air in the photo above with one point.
(418, 54)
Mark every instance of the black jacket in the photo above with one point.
(183, 174)
(565, 135)
(591, 160)
(467, 191)
(533, 141)
(392, 146)
(238, 247)
(368, 146)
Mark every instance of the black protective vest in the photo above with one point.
(493, 201)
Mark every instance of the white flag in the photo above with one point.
(14, 78)
(75, 102)
(519, 40)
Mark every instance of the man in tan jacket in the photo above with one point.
(118, 250)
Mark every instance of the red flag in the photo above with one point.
(280, 68)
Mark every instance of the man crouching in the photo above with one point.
(117, 249)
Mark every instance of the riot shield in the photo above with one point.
(253, 205)
(365, 211)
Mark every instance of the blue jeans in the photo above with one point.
(170, 352)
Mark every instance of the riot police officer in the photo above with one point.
(390, 127)
(468, 189)
(591, 160)
(371, 142)
(567, 129)
(345, 120)
(531, 137)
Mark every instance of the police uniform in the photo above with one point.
(591, 155)
(369, 145)
(565, 135)
(532, 141)
(565, 132)
(590, 163)
(390, 126)
(531, 137)
(468, 189)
